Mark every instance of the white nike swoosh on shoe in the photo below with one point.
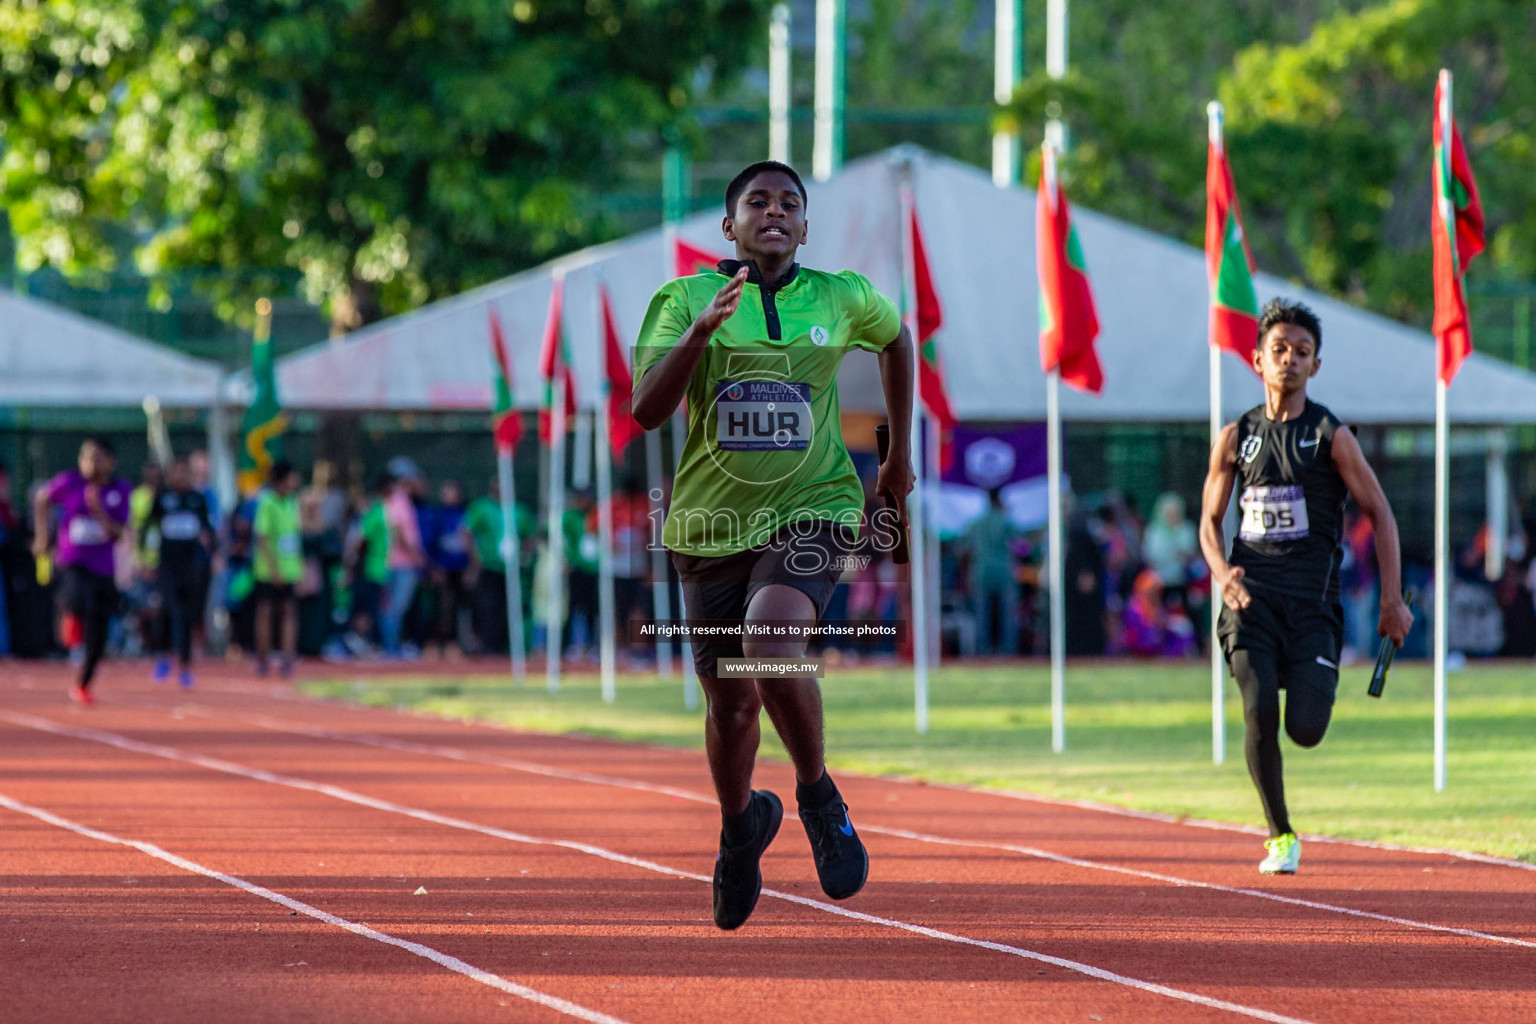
(1324, 661)
(1307, 444)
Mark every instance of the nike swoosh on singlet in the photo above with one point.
(1307, 444)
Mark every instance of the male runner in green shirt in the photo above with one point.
(766, 504)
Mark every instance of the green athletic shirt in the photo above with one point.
(376, 535)
(765, 443)
(277, 520)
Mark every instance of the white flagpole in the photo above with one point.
(511, 546)
(1056, 543)
(685, 647)
(1442, 577)
(1442, 473)
(605, 602)
(917, 562)
(581, 458)
(1008, 60)
(827, 147)
(931, 484)
(1214, 115)
(778, 83)
(661, 589)
(554, 618)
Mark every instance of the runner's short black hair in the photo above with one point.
(100, 441)
(1279, 310)
(279, 471)
(739, 183)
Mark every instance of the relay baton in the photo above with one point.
(1384, 657)
(883, 446)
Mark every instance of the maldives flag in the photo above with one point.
(688, 259)
(555, 359)
(1456, 219)
(927, 317)
(508, 425)
(622, 428)
(1068, 321)
(1228, 261)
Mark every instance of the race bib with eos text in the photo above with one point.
(1273, 513)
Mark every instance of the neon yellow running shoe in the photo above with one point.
(1284, 855)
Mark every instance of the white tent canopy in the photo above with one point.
(1151, 293)
(54, 357)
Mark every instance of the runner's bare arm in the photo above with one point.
(41, 542)
(1363, 486)
(1217, 495)
(663, 386)
(895, 475)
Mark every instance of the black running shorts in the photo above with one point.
(808, 556)
(87, 594)
(1303, 637)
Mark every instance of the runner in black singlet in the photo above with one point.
(1282, 625)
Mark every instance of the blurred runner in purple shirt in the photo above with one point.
(93, 513)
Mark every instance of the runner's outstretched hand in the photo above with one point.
(1233, 593)
(724, 304)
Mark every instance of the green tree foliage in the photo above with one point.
(394, 151)
(1328, 126)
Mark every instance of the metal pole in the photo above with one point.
(685, 647)
(918, 561)
(1008, 61)
(511, 550)
(1442, 483)
(661, 589)
(1214, 126)
(1442, 577)
(1496, 494)
(827, 152)
(581, 458)
(1056, 64)
(554, 611)
(1056, 543)
(779, 81)
(605, 602)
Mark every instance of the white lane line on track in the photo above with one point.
(261, 775)
(593, 778)
(243, 689)
(452, 963)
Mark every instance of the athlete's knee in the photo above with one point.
(1307, 729)
(769, 648)
(733, 704)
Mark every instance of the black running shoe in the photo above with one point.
(842, 863)
(738, 877)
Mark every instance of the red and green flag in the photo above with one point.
(1068, 321)
(1228, 261)
(261, 431)
(622, 428)
(925, 316)
(555, 363)
(688, 259)
(1459, 234)
(508, 425)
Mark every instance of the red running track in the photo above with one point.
(241, 853)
